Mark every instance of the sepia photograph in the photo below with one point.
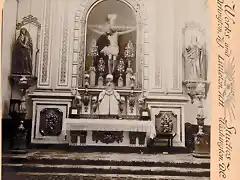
(106, 89)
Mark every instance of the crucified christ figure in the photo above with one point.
(111, 48)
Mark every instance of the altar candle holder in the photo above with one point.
(93, 50)
(129, 53)
(93, 53)
(86, 98)
(101, 69)
(121, 70)
(197, 90)
(24, 82)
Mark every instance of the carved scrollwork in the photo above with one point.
(30, 19)
(63, 69)
(44, 69)
(165, 121)
(107, 137)
(51, 122)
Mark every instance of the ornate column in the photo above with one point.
(197, 90)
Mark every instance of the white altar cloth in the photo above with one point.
(110, 125)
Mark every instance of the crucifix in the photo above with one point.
(110, 45)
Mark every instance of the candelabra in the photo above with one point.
(197, 90)
(129, 54)
(86, 98)
(23, 82)
(101, 69)
(93, 52)
(132, 98)
(121, 69)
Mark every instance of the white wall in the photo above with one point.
(13, 12)
(172, 16)
(8, 35)
(196, 11)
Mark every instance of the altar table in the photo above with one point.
(108, 132)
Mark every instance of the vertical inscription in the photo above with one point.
(225, 18)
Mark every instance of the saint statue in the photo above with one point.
(22, 54)
(194, 57)
(107, 43)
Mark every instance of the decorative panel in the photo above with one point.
(175, 85)
(76, 47)
(166, 122)
(107, 137)
(169, 117)
(45, 57)
(48, 120)
(51, 122)
(162, 39)
(63, 66)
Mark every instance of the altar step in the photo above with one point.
(154, 149)
(101, 166)
(70, 176)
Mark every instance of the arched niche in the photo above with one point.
(83, 37)
(194, 52)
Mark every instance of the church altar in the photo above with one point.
(128, 132)
(107, 76)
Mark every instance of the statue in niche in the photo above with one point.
(194, 59)
(107, 43)
(22, 54)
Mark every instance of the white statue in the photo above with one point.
(194, 57)
(112, 32)
(109, 99)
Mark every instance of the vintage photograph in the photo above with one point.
(106, 90)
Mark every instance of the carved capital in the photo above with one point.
(196, 89)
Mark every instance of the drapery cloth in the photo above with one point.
(110, 125)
